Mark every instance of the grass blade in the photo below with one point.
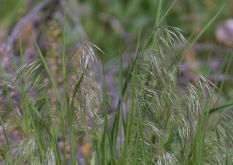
(93, 160)
(220, 108)
(120, 111)
(71, 117)
(72, 149)
(57, 94)
(166, 13)
(30, 105)
(53, 138)
(4, 130)
(154, 44)
(199, 35)
(124, 88)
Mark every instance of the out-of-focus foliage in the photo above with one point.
(168, 110)
(103, 21)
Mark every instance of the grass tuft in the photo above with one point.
(160, 118)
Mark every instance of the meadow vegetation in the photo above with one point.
(160, 117)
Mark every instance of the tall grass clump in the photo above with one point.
(160, 118)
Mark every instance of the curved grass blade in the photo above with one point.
(71, 117)
(106, 136)
(115, 132)
(220, 108)
(53, 138)
(4, 130)
(30, 105)
(58, 96)
(198, 36)
(166, 13)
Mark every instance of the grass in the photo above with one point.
(160, 119)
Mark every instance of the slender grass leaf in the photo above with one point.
(220, 108)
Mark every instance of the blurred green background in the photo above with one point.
(103, 22)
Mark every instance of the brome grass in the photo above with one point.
(162, 120)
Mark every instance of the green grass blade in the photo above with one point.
(143, 145)
(2, 153)
(202, 126)
(159, 12)
(213, 117)
(57, 94)
(139, 51)
(220, 108)
(222, 83)
(4, 78)
(71, 117)
(93, 160)
(121, 95)
(105, 135)
(30, 105)
(124, 89)
(53, 138)
(4, 130)
(166, 13)
(230, 157)
(136, 147)
(129, 76)
(207, 65)
(119, 112)
(154, 44)
(21, 58)
(128, 135)
(167, 145)
(199, 35)
(48, 72)
(66, 83)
